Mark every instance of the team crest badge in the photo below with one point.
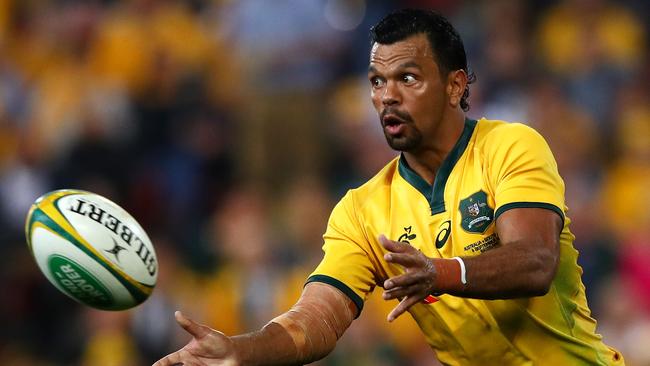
(476, 214)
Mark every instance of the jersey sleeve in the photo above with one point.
(346, 264)
(523, 171)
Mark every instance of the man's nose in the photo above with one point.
(391, 94)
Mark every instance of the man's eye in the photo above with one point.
(377, 82)
(408, 78)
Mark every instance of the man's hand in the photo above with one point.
(418, 281)
(208, 347)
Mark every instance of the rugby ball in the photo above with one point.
(91, 249)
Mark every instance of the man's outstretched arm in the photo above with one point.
(305, 333)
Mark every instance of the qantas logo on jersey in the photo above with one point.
(407, 236)
(476, 214)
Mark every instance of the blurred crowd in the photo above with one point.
(230, 128)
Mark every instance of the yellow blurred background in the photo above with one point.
(229, 129)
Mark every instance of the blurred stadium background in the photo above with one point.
(230, 129)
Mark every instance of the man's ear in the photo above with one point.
(456, 84)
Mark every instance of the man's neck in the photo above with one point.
(427, 161)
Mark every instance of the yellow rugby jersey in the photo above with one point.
(495, 166)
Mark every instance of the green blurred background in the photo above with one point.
(229, 129)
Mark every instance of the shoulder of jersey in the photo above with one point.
(379, 184)
(497, 132)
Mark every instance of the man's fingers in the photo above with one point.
(392, 245)
(170, 360)
(408, 286)
(400, 292)
(407, 279)
(403, 306)
(182, 357)
(414, 286)
(193, 328)
(407, 260)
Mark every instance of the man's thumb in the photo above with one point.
(195, 329)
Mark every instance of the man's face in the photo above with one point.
(407, 92)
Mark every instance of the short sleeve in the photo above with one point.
(346, 264)
(523, 171)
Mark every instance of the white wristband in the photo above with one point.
(463, 271)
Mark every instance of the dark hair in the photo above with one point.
(447, 46)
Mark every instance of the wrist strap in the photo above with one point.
(463, 271)
(451, 275)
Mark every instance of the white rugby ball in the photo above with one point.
(91, 249)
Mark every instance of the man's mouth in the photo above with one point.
(391, 120)
(393, 125)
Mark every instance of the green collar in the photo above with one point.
(436, 195)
